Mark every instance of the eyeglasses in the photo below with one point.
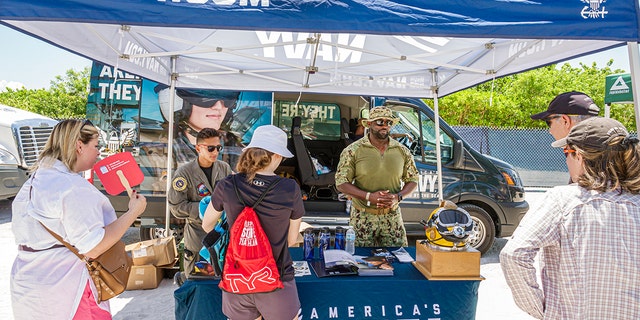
(548, 120)
(211, 148)
(381, 122)
(568, 150)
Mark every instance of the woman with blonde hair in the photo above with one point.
(48, 281)
(280, 214)
(587, 232)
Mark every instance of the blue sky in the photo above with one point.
(34, 63)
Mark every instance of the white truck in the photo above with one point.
(23, 134)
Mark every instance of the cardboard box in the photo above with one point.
(438, 264)
(144, 277)
(157, 252)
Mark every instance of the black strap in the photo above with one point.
(264, 194)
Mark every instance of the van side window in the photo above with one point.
(408, 132)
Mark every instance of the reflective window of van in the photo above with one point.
(415, 124)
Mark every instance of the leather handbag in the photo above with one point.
(109, 271)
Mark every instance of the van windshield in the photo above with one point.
(408, 132)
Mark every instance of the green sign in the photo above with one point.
(618, 89)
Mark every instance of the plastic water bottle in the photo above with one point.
(350, 245)
(339, 240)
(324, 241)
(309, 243)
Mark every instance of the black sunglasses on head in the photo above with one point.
(87, 122)
(211, 148)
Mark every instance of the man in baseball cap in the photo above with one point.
(565, 111)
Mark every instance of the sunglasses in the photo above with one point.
(548, 120)
(208, 103)
(211, 148)
(381, 122)
(567, 151)
(87, 122)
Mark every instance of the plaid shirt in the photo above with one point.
(590, 256)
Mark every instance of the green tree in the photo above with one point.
(509, 101)
(66, 97)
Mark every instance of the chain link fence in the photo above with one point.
(527, 149)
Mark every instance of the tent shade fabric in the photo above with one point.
(345, 47)
(578, 19)
(299, 61)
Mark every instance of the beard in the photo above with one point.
(380, 135)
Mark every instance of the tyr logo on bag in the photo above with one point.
(249, 266)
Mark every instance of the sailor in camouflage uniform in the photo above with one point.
(192, 182)
(377, 172)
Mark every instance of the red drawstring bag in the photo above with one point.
(249, 266)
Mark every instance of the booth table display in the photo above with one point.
(405, 295)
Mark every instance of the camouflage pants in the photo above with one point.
(378, 230)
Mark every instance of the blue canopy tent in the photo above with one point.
(400, 48)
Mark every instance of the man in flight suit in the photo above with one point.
(192, 182)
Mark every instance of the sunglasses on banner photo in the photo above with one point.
(383, 122)
(212, 148)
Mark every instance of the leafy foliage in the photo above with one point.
(509, 101)
(505, 102)
(66, 97)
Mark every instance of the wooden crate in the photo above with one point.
(438, 264)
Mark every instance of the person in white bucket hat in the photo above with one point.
(272, 139)
(280, 214)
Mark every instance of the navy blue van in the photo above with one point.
(320, 126)
(488, 188)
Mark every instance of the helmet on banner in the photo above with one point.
(185, 99)
(449, 227)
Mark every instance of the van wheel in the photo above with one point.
(148, 233)
(484, 231)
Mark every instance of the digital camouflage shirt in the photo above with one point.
(362, 164)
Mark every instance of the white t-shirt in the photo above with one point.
(49, 284)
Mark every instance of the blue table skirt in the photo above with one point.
(406, 295)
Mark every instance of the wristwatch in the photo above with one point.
(400, 197)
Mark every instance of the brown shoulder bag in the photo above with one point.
(109, 271)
